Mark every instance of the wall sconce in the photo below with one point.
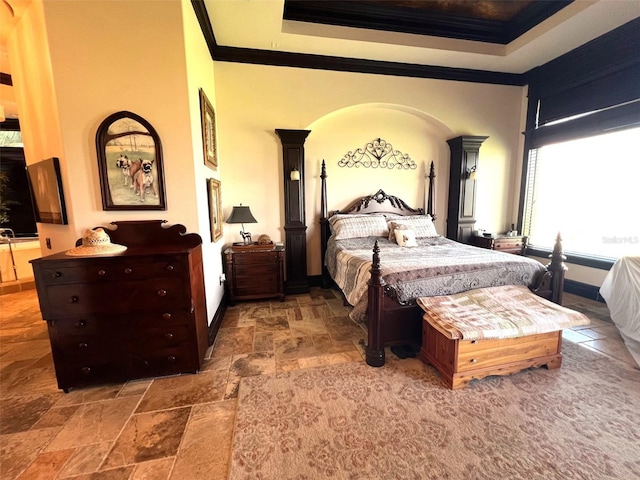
(295, 175)
(242, 215)
(471, 173)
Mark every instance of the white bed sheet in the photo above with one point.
(621, 291)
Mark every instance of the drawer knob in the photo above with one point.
(102, 273)
(170, 268)
(73, 299)
(85, 370)
(166, 316)
(128, 270)
(57, 274)
(473, 360)
(162, 293)
(82, 345)
(168, 336)
(171, 359)
(81, 323)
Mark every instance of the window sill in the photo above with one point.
(587, 261)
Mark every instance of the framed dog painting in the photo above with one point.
(215, 208)
(130, 164)
(209, 144)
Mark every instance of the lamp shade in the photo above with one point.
(241, 214)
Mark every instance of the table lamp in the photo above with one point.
(241, 214)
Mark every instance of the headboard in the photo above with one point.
(379, 202)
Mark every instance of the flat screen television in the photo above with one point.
(45, 184)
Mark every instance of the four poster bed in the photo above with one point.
(410, 260)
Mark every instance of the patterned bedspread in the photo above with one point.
(497, 312)
(437, 266)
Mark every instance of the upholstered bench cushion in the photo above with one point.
(497, 312)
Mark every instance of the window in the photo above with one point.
(588, 189)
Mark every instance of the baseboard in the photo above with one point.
(583, 289)
(214, 326)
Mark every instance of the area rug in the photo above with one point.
(352, 421)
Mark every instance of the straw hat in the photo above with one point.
(96, 242)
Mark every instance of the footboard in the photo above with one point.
(390, 323)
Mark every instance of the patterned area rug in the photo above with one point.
(352, 421)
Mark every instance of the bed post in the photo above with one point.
(430, 199)
(375, 344)
(324, 227)
(557, 268)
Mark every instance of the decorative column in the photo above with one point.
(461, 211)
(294, 210)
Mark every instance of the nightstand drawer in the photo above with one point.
(254, 271)
(255, 258)
(515, 245)
(503, 243)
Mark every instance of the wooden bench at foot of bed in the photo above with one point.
(492, 331)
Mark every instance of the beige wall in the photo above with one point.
(34, 89)
(344, 111)
(95, 58)
(74, 64)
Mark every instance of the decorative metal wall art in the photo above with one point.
(378, 153)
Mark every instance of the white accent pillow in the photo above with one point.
(421, 224)
(405, 237)
(354, 226)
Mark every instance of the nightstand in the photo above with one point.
(515, 245)
(254, 272)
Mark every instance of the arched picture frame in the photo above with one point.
(130, 164)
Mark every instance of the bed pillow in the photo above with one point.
(354, 226)
(422, 225)
(405, 237)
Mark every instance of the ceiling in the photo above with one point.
(454, 39)
(507, 36)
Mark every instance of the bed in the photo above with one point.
(381, 275)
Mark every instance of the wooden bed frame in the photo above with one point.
(389, 322)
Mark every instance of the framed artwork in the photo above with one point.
(208, 119)
(215, 208)
(130, 164)
(45, 185)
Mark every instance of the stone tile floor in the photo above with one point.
(178, 427)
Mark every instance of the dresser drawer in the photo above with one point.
(162, 318)
(85, 348)
(487, 353)
(89, 372)
(87, 325)
(75, 300)
(166, 361)
(112, 269)
(151, 339)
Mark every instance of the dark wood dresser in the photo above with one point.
(506, 244)
(254, 273)
(140, 313)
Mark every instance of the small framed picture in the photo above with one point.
(45, 185)
(208, 119)
(130, 164)
(215, 208)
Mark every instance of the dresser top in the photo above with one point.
(142, 237)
